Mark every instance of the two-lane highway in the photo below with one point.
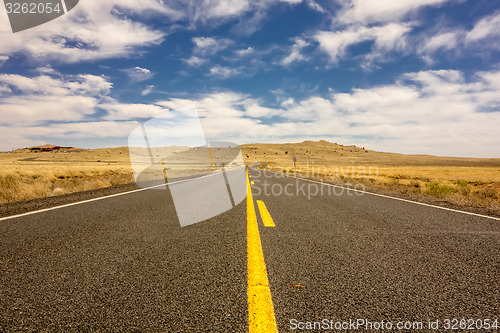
(124, 264)
(342, 255)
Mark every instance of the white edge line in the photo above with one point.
(395, 198)
(97, 199)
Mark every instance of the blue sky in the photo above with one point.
(416, 76)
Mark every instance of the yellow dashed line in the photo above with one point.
(264, 213)
(261, 317)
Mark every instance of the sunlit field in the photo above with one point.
(467, 182)
(26, 175)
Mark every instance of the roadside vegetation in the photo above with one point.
(26, 175)
(469, 183)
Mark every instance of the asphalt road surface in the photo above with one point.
(124, 264)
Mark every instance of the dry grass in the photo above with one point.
(465, 182)
(462, 181)
(25, 175)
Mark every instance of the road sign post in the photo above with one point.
(295, 166)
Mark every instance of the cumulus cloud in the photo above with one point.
(375, 11)
(206, 47)
(44, 98)
(4, 89)
(210, 45)
(16, 136)
(93, 30)
(437, 112)
(223, 72)
(139, 74)
(386, 38)
(483, 37)
(196, 61)
(115, 28)
(119, 111)
(55, 105)
(390, 26)
(244, 52)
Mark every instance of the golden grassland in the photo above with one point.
(26, 175)
(467, 182)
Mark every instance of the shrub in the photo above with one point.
(9, 181)
(415, 184)
(488, 192)
(439, 190)
(463, 186)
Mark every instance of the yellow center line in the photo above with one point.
(261, 317)
(264, 213)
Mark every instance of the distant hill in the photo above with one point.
(324, 152)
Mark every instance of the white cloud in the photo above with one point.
(196, 61)
(483, 37)
(205, 10)
(46, 70)
(245, 52)
(4, 89)
(295, 52)
(17, 137)
(119, 111)
(45, 98)
(386, 38)
(487, 27)
(375, 11)
(428, 112)
(440, 42)
(47, 85)
(437, 112)
(96, 129)
(312, 4)
(205, 47)
(93, 30)
(223, 72)
(139, 74)
(147, 90)
(66, 106)
(210, 45)
(116, 28)
(29, 110)
(3, 59)
(220, 11)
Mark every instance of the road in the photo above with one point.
(124, 264)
